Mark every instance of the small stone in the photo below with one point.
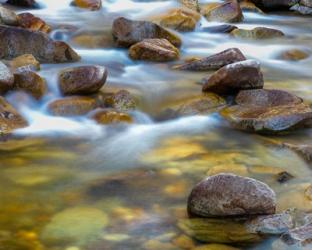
(257, 33)
(229, 195)
(215, 61)
(82, 80)
(8, 16)
(228, 12)
(127, 32)
(25, 61)
(88, 4)
(31, 83)
(293, 55)
(158, 50)
(121, 100)
(72, 106)
(110, 116)
(284, 176)
(31, 22)
(6, 78)
(234, 77)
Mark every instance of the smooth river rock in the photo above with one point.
(257, 33)
(231, 195)
(31, 22)
(215, 61)
(157, 50)
(82, 80)
(127, 32)
(110, 116)
(88, 4)
(6, 78)
(234, 77)
(17, 41)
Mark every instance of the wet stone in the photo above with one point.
(8, 16)
(127, 32)
(110, 116)
(257, 33)
(31, 22)
(300, 236)
(88, 4)
(24, 61)
(190, 4)
(213, 62)
(231, 195)
(250, 7)
(157, 50)
(223, 28)
(293, 55)
(6, 78)
(121, 100)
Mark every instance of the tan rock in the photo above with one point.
(110, 116)
(25, 60)
(88, 4)
(293, 55)
(257, 33)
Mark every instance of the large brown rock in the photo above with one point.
(234, 77)
(82, 79)
(16, 41)
(215, 61)
(6, 78)
(10, 119)
(266, 119)
(231, 195)
(127, 32)
(228, 12)
(8, 16)
(266, 97)
(157, 50)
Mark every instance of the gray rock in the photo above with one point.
(6, 78)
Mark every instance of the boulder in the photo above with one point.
(127, 32)
(16, 42)
(72, 106)
(8, 16)
(88, 4)
(215, 61)
(157, 50)
(234, 77)
(110, 116)
(10, 119)
(31, 22)
(6, 78)
(231, 195)
(31, 83)
(82, 80)
(257, 33)
(228, 12)
(266, 98)
(266, 119)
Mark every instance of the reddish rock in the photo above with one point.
(31, 22)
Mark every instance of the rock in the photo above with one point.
(271, 120)
(92, 40)
(31, 83)
(234, 77)
(228, 12)
(225, 231)
(9, 118)
(231, 195)
(257, 33)
(308, 192)
(82, 80)
(274, 4)
(190, 4)
(121, 100)
(109, 116)
(250, 7)
(16, 42)
(266, 98)
(8, 16)
(127, 32)
(304, 10)
(6, 78)
(275, 224)
(88, 4)
(23, 3)
(300, 236)
(24, 61)
(78, 225)
(223, 28)
(158, 50)
(284, 176)
(293, 55)
(307, 3)
(72, 106)
(180, 19)
(215, 61)
(31, 22)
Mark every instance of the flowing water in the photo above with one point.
(71, 184)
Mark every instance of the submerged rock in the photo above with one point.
(6, 78)
(26, 60)
(31, 83)
(16, 42)
(110, 116)
(225, 231)
(234, 77)
(266, 97)
(8, 16)
(231, 195)
(223, 28)
(82, 80)
(228, 12)
(88, 4)
(127, 32)
(272, 120)
(31, 22)
(10, 119)
(293, 55)
(257, 33)
(72, 106)
(215, 61)
(158, 50)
